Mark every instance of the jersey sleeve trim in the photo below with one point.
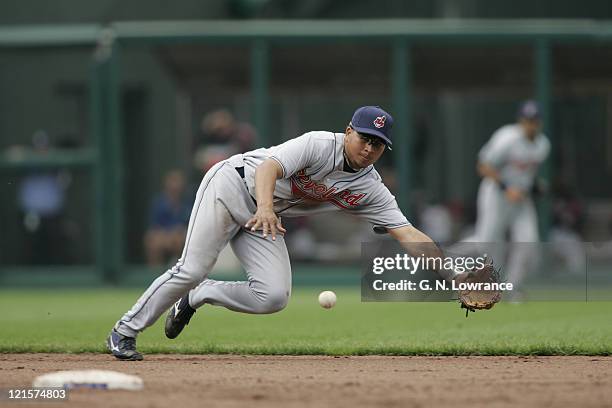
(281, 164)
(383, 229)
(394, 226)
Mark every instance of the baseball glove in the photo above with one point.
(480, 297)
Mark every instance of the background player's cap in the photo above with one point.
(373, 120)
(529, 110)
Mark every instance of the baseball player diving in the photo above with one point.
(241, 201)
(508, 164)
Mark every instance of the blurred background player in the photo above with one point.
(508, 164)
(169, 217)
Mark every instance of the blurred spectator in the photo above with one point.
(169, 218)
(300, 240)
(601, 251)
(436, 221)
(565, 232)
(41, 199)
(218, 127)
(389, 176)
(568, 211)
(221, 137)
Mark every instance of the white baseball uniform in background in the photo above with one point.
(314, 181)
(517, 160)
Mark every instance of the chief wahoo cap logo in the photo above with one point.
(380, 121)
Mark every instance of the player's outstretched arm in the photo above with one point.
(264, 218)
(417, 243)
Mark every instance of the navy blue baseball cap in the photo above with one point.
(373, 120)
(529, 110)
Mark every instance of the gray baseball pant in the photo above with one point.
(495, 215)
(222, 207)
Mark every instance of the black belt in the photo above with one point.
(240, 171)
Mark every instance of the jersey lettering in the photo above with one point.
(303, 186)
(524, 164)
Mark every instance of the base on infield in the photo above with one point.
(96, 379)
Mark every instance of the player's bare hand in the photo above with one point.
(514, 195)
(265, 220)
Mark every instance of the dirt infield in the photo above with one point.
(179, 381)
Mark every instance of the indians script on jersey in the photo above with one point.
(303, 186)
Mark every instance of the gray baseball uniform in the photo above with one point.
(314, 181)
(517, 159)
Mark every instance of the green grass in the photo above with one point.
(78, 321)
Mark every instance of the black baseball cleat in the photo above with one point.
(178, 317)
(122, 347)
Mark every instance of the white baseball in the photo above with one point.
(327, 299)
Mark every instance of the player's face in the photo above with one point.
(531, 127)
(362, 150)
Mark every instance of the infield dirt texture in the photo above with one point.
(323, 381)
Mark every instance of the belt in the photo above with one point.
(240, 171)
